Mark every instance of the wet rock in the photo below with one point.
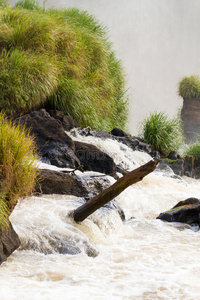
(53, 182)
(51, 139)
(165, 168)
(155, 154)
(173, 155)
(187, 211)
(146, 147)
(118, 132)
(113, 205)
(188, 166)
(67, 121)
(54, 243)
(196, 173)
(176, 165)
(9, 242)
(93, 159)
(87, 131)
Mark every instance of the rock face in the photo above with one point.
(9, 242)
(187, 211)
(190, 115)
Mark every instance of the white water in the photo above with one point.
(142, 258)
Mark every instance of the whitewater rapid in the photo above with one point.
(141, 258)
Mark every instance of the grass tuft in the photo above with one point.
(189, 87)
(17, 166)
(163, 133)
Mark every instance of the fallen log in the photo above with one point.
(82, 212)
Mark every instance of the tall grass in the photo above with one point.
(163, 133)
(17, 166)
(189, 87)
(63, 59)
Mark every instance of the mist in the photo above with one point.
(158, 42)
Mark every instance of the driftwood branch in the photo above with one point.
(82, 212)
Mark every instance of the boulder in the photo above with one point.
(53, 182)
(51, 139)
(67, 121)
(93, 159)
(9, 242)
(186, 211)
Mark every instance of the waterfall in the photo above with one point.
(104, 257)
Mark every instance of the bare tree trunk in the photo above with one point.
(82, 212)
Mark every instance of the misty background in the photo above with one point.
(158, 42)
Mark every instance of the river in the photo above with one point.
(141, 258)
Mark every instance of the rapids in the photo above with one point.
(141, 258)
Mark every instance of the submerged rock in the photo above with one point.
(9, 242)
(187, 211)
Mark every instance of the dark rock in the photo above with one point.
(146, 147)
(126, 140)
(155, 155)
(68, 122)
(173, 155)
(51, 139)
(53, 182)
(87, 131)
(188, 166)
(60, 155)
(165, 168)
(196, 173)
(118, 132)
(113, 205)
(9, 242)
(188, 201)
(176, 165)
(187, 211)
(94, 159)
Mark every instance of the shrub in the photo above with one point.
(62, 59)
(17, 166)
(163, 133)
(189, 87)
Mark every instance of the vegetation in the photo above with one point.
(17, 166)
(189, 87)
(163, 133)
(193, 150)
(60, 59)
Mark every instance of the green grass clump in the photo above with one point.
(60, 59)
(193, 150)
(163, 133)
(17, 166)
(189, 87)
